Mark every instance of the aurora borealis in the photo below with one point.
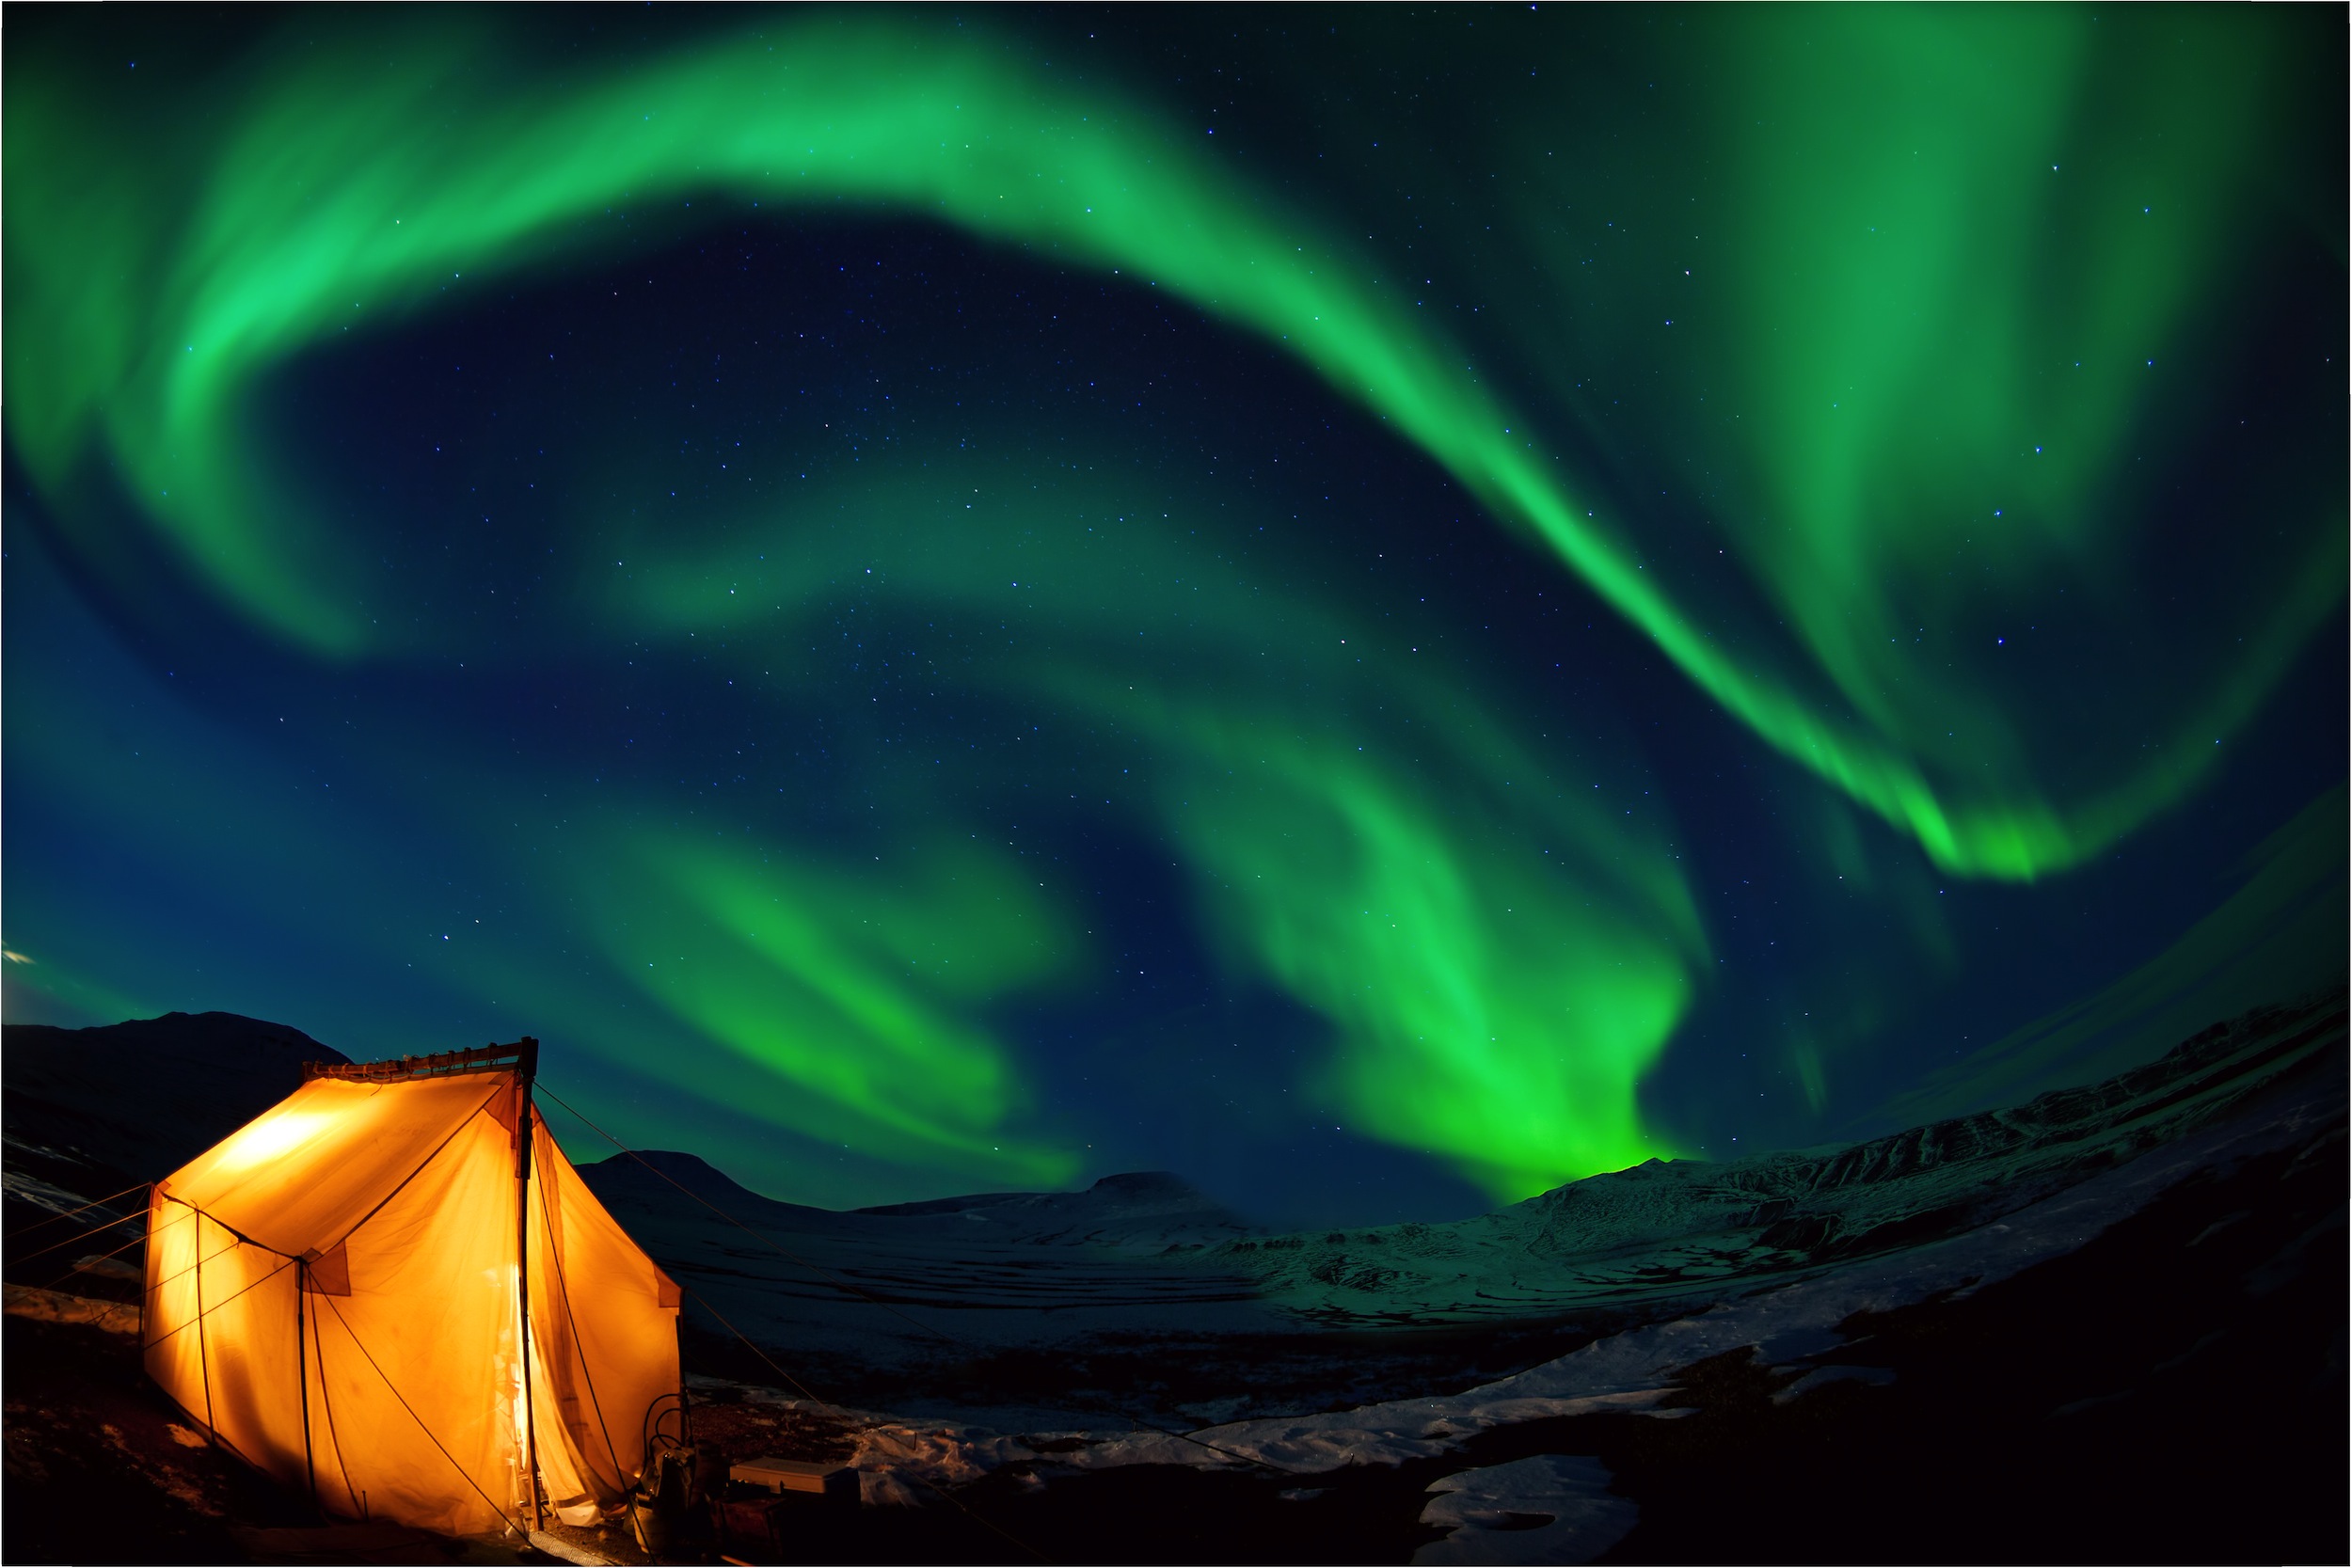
(1382, 608)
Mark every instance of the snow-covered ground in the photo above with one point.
(1939, 1212)
(1548, 1508)
(1791, 1325)
(1696, 1228)
(1138, 1323)
(1140, 1298)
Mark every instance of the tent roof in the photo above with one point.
(302, 1176)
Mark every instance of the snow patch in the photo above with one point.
(1876, 1377)
(1385, 1433)
(1552, 1508)
(33, 1190)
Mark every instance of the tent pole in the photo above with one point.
(302, 1380)
(526, 1070)
(203, 1352)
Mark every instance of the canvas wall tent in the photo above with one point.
(339, 1291)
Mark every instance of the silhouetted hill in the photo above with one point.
(623, 1176)
(1137, 1210)
(143, 1097)
(1146, 1210)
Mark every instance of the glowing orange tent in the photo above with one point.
(338, 1291)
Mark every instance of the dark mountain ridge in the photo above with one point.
(1141, 1210)
(1006, 1301)
(137, 1100)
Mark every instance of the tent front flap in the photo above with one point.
(605, 1327)
(416, 1373)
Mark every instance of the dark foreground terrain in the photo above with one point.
(2172, 1390)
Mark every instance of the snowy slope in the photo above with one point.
(1138, 1297)
(1142, 1212)
(942, 1302)
(2272, 1089)
(1792, 1322)
(1141, 1297)
(1670, 1229)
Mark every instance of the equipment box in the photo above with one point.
(835, 1483)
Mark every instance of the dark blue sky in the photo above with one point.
(906, 705)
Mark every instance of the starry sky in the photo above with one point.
(1380, 608)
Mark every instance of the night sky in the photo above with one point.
(1382, 608)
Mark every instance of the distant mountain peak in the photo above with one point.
(676, 1162)
(689, 1171)
(179, 1032)
(1162, 1186)
(1139, 1182)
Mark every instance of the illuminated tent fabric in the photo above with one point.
(333, 1292)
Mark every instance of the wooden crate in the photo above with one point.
(836, 1482)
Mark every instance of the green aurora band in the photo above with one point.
(344, 189)
(1504, 955)
(1944, 254)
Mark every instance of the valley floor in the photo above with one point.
(2108, 1327)
(2172, 1392)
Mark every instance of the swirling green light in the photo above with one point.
(853, 995)
(1508, 1025)
(347, 189)
(1931, 380)
(1501, 952)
